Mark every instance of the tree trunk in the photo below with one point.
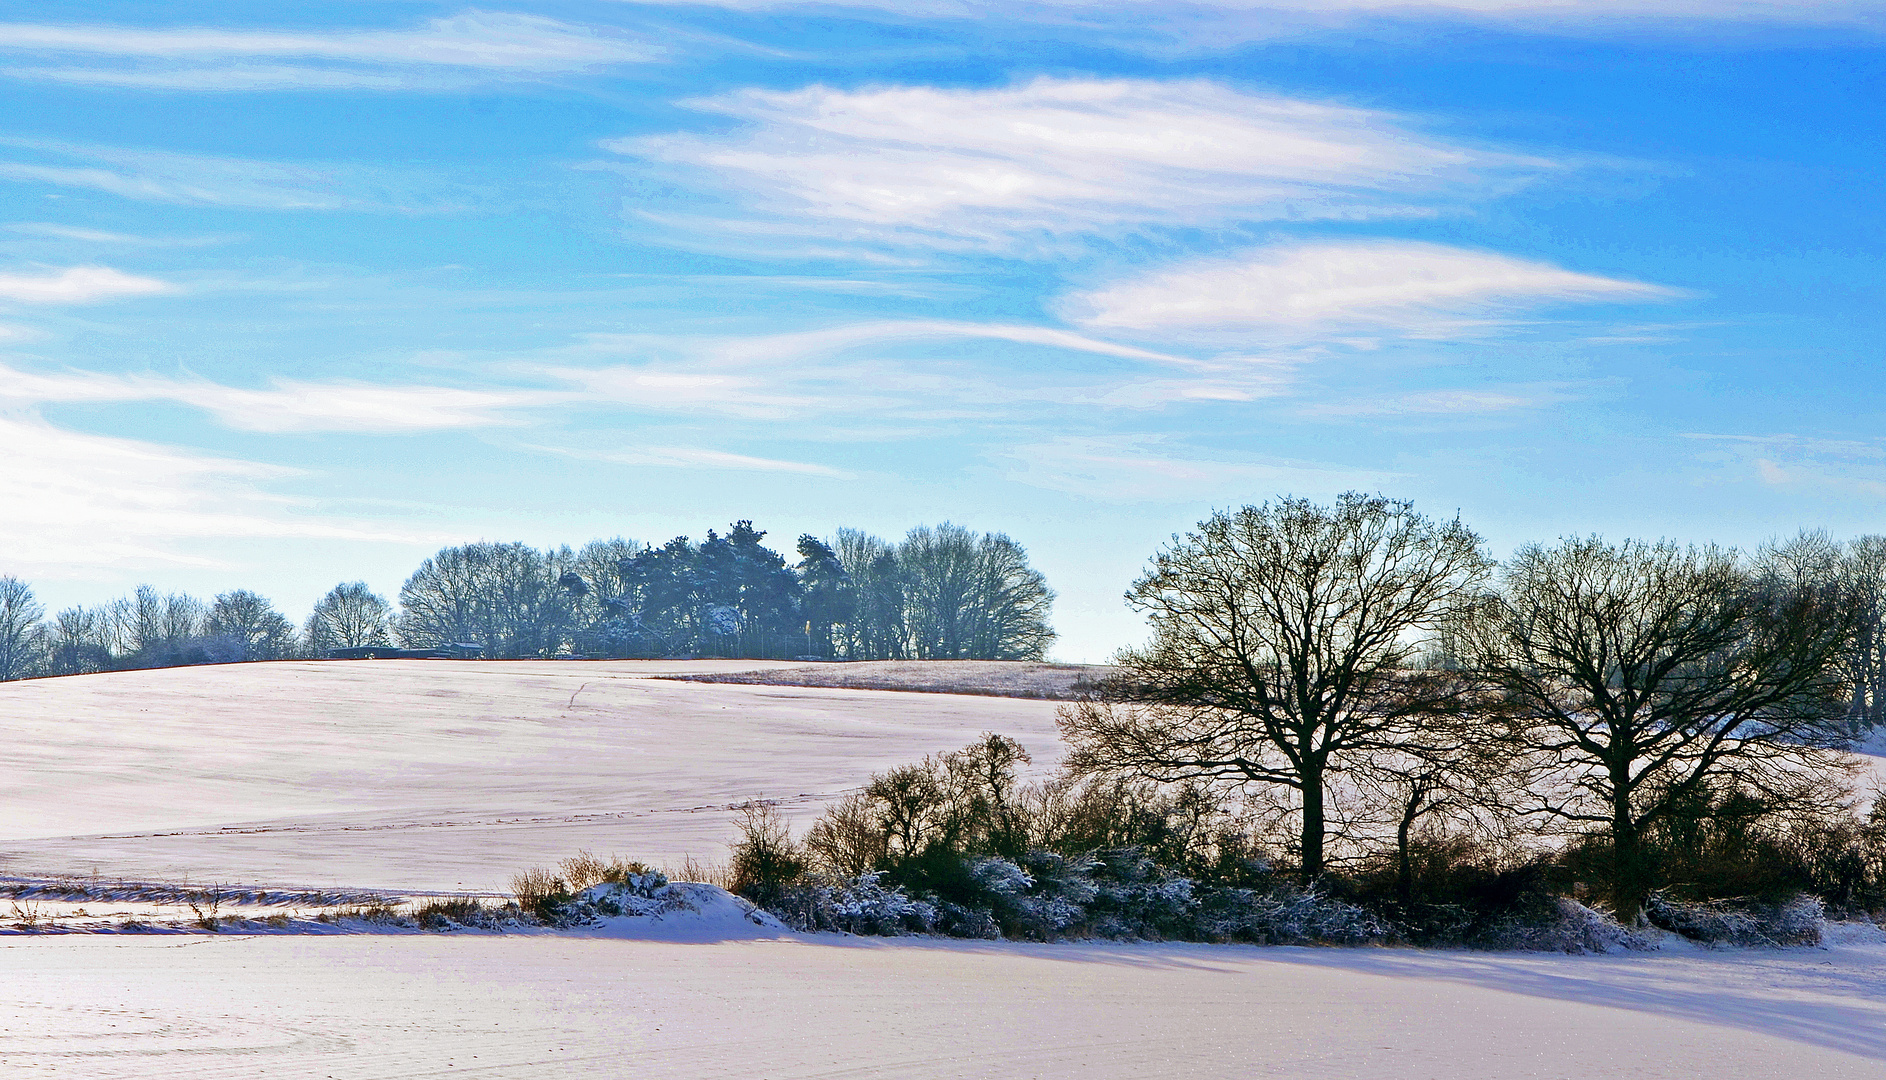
(1404, 862)
(1312, 824)
(1630, 885)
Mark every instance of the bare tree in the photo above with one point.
(1640, 674)
(502, 597)
(154, 630)
(1285, 639)
(1009, 607)
(593, 580)
(1863, 579)
(1857, 572)
(940, 579)
(76, 641)
(22, 640)
(350, 616)
(1450, 775)
(875, 628)
(957, 594)
(243, 626)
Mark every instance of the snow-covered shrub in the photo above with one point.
(960, 921)
(1287, 915)
(861, 905)
(583, 870)
(1795, 921)
(1000, 877)
(1576, 929)
(451, 913)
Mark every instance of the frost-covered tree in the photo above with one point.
(350, 616)
(159, 630)
(1856, 571)
(22, 639)
(943, 593)
(77, 641)
(242, 626)
(875, 628)
(504, 598)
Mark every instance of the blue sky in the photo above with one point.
(293, 294)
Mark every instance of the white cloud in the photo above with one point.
(288, 405)
(1063, 156)
(1476, 401)
(75, 501)
(78, 285)
(53, 231)
(1244, 19)
(201, 180)
(838, 369)
(695, 458)
(783, 348)
(446, 52)
(1141, 468)
(1802, 463)
(1394, 285)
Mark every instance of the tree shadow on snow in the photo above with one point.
(1834, 999)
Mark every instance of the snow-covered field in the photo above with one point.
(431, 775)
(541, 1006)
(425, 776)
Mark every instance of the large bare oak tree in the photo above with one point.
(1638, 674)
(1285, 647)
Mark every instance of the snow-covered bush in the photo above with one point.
(1796, 921)
(1287, 915)
(1576, 929)
(860, 905)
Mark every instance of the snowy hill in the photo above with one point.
(436, 775)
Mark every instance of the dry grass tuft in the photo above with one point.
(582, 870)
(446, 913)
(540, 892)
(692, 869)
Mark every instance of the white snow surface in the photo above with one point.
(437, 776)
(795, 1008)
(420, 776)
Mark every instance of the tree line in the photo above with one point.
(941, 593)
(1348, 716)
(1377, 679)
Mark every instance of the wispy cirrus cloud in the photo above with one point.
(684, 457)
(287, 406)
(1212, 22)
(1058, 157)
(239, 183)
(847, 369)
(76, 502)
(78, 285)
(854, 367)
(1452, 402)
(1135, 468)
(1399, 286)
(1801, 462)
(446, 53)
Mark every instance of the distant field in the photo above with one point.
(1058, 682)
(437, 775)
